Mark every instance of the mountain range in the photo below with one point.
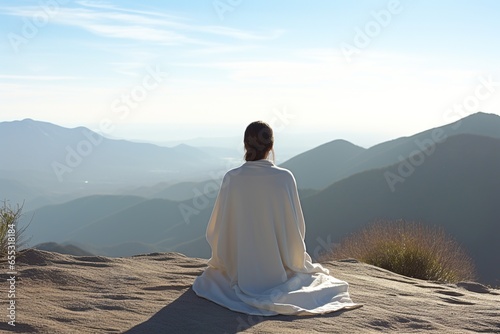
(44, 163)
(448, 176)
(338, 159)
(456, 188)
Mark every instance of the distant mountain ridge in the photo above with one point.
(121, 225)
(337, 160)
(315, 167)
(49, 160)
(41, 146)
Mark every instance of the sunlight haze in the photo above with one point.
(364, 71)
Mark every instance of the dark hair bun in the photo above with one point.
(258, 140)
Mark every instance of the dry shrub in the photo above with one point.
(9, 216)
(408, 248)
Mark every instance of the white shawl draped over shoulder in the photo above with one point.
(259, 263)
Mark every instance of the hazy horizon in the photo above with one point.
(197, 134)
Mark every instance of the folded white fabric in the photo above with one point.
(259, 263)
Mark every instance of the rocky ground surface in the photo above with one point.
(152, 293)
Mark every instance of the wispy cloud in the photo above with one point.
(127, 68)
(214, 49)
(111, 21)
(327, 66)
(137, 32)
(103, 5)
(37, 77)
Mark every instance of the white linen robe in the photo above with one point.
(259, 263)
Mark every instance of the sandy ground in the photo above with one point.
(152, 293)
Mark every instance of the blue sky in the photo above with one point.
(365, 71)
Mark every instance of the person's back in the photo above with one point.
(261, 216)
(259, 263)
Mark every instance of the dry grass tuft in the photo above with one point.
(10, 216)
(408, 248)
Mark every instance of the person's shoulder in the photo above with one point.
(282, 170)
(234, 171)
(285, 173)
(270, 169)
(231, 173)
